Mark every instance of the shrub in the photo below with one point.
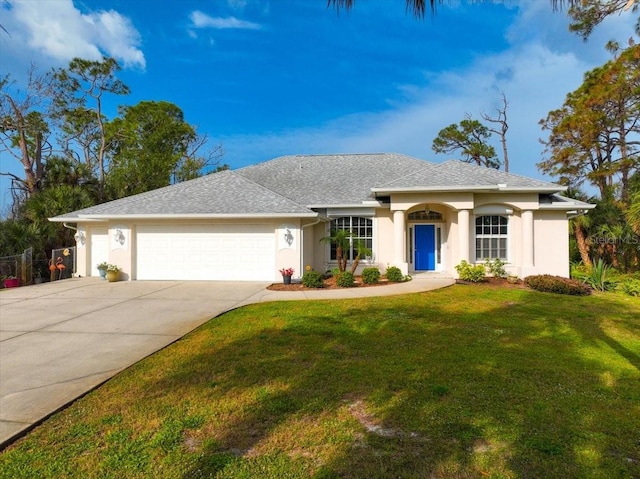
(370, 275)
(557, 284)
(496, 268)
(631, 287)
(394, 274)
(598, 277)
(345, 279)
(578, 270)
(469, 272)
(312, 279)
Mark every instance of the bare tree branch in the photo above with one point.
(501, 120)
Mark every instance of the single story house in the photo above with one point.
(249, 223)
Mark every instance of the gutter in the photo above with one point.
(500, 188)
(106, 217)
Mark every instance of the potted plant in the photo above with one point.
(102, 269)
(286, 275)
(11, 282)
(113, 273)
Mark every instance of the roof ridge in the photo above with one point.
(428, 164)
(493, 170)
(264, 188)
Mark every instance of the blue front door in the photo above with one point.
(425, 259)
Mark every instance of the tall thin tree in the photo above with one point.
(501, 129)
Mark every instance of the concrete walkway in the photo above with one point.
(60, 340)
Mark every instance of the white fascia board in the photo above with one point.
(432, 189)
(197, 216)
(470, 189)
(77, 219)
(567, 206)
(345, 205)
(529, 189)
(374, 203)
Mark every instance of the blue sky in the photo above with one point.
(270, 78)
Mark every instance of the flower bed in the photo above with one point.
(329, 283)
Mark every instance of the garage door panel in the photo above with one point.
(201, 252)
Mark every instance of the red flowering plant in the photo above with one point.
(287, 271)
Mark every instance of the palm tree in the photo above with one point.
(633, 213)
(361, 250)
(580, 225)
(585, 14)
(419, 7)
(341, 239)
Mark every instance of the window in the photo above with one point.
(491, 237)
(361, 230)
(424, 216)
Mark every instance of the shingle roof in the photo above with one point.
(325, 180)
(454, 173)
(291, 185)
(224, 193)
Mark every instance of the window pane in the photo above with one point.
(360, 229)
(491, 237)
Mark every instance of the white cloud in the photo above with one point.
(237, 4)
(544, 62)
(534, 78)
(202, 20)
(60, 32)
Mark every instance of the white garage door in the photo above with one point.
(99, 248)
(206, 252)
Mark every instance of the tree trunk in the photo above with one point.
(354, 265)
(583, 246)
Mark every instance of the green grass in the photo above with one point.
(465, 382)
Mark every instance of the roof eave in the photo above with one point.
(469, 189)
(346, 205)
(567, 207)
(95, 217)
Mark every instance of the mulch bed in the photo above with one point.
(330, 283)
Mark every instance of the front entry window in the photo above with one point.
(361, 229)
(491, 237)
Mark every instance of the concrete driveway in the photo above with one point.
(59, 340)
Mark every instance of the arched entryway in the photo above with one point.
(426, 233)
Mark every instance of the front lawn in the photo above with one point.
(464, 382)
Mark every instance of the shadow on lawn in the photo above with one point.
(417, 387)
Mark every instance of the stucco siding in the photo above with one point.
(551, 243)
(122, 247)
(383, 239)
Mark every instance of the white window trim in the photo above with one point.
(507, 237)
(371, 259)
